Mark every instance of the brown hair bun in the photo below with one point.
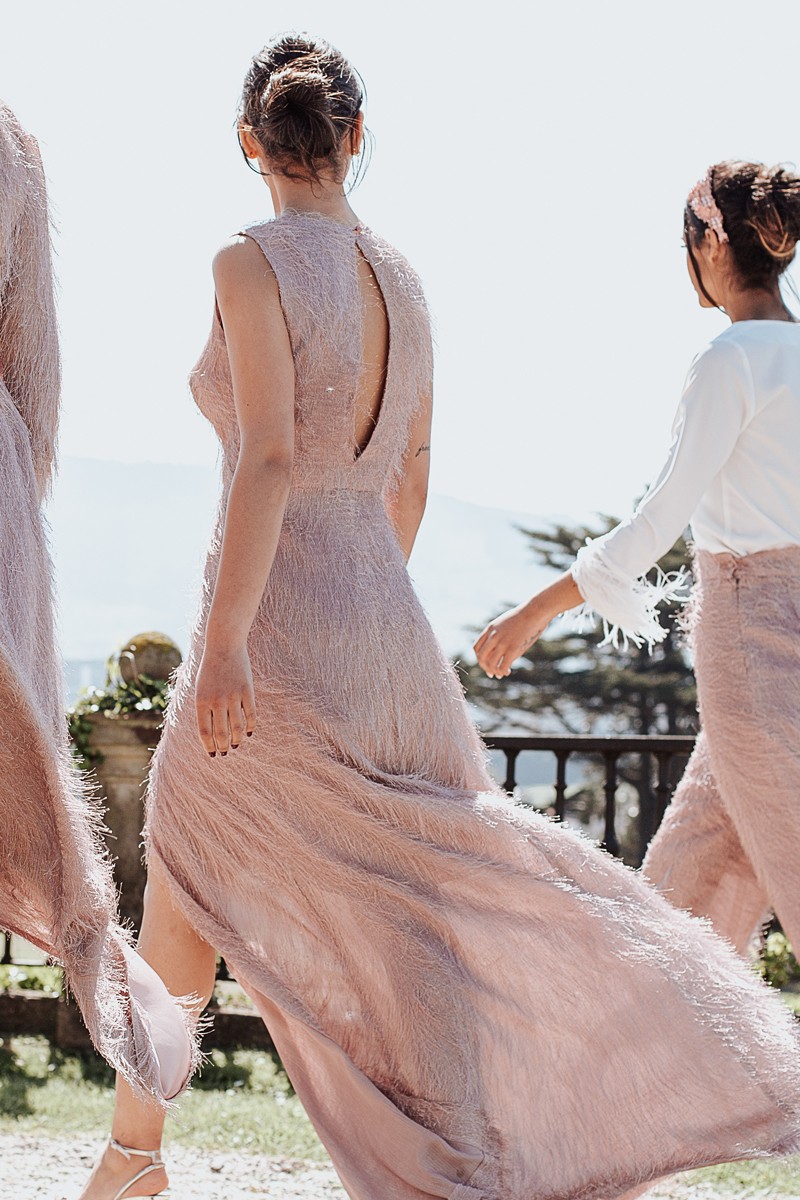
(301, 98)
(775, 211)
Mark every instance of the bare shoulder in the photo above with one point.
(240, 266)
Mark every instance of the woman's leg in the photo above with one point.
(187, 964)
(762, 799)
(747, 661)
(697, 860)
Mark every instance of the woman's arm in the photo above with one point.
(716, 404)
(406, 503)
(262, 370)
(508, 637)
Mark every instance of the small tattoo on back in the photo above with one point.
(423, 448)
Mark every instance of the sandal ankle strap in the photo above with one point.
(129, 1151)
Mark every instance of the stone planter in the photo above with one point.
(126, 742)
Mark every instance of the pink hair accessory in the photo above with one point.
(702, 203)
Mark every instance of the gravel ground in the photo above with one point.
(40, 1168)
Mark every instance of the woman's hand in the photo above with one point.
(508, 637)
(262, 373)
(224, 699)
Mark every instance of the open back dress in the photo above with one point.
(470, 1000)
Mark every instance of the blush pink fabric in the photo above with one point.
(729, 846)
(471, 1001)
(56, 886)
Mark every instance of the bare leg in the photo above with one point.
(697, 860)
(187, 964)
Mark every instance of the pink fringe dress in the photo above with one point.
(471, 1001)
(56, 886)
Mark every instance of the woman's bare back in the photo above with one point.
(374, 355)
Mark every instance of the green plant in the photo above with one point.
(31, 979)
(778, 964)
(141, 694)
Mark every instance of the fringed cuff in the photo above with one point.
(628, 607)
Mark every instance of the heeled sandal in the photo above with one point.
(156, 1163)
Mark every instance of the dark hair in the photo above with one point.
(760, 209)
(300, 99)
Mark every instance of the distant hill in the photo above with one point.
(129, 541)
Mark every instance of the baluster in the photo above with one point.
(663, 789)
(561, 782)
(510, 781)
(609, 841)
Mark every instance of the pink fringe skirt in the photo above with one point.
(729, 846)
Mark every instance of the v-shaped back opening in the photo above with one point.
(375, 349)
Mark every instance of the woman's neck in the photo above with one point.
(754, 304)
(326, 198)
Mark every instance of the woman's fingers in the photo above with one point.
(223, 725)
(505, 639)
(496, 656)
(205, 727)
(488, 632)
(499, 667)
(237, 723)
(242, 717)
(241, 725)
(249, 708)
(492, 653)
(222, 733)
(483, 656)
(224, 700)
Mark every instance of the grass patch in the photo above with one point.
(241, 1101)
(749, 1179)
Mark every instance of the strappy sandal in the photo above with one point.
(155, 1164)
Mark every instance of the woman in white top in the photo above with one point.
(728, 846)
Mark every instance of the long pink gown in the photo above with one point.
(56, 885)
(471, 1001)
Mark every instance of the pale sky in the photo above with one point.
(531, 160)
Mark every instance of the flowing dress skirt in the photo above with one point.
(56, 886)
(471, 1001)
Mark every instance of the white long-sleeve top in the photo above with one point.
(732, 475)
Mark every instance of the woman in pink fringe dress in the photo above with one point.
(56, 887)
(470, 1001)
(729, 845)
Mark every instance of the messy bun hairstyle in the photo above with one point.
(300, 100)
(760, 209)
